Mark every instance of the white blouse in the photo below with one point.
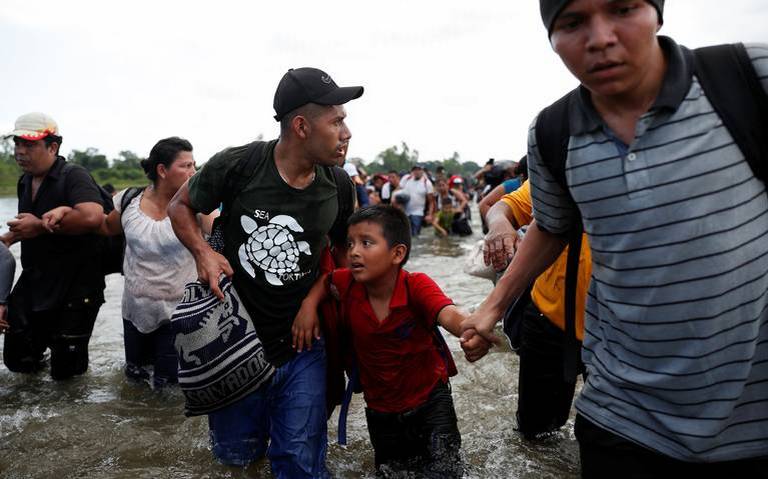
(156, 267)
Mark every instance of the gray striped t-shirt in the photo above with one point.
(676, 343)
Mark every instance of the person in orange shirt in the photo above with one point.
(544, 395)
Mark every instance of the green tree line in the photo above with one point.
(125, 170)
(402, 158)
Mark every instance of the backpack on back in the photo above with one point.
(732, 86)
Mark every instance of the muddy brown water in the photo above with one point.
(101, 426)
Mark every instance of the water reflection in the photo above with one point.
(100, 425)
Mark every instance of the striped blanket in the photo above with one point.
(221, 359)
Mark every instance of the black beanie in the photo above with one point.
(551, 8)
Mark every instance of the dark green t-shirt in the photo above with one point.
(273, 239)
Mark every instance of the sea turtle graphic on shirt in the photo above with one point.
(272, 247)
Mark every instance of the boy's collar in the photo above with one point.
(399, 294)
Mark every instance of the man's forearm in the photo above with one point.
(536, 253)
(501, 212)
(184, 223)
(78, 222)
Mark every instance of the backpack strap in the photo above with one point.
(552, 137)
(238, 177)
(129, 195)
(553, 133)
(345, 192)
(732, 86)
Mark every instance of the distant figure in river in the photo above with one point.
(61, 288)
(156, 265)
(392, 319)
(421, 202)
(444, 217)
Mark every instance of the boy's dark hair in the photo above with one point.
(164, 153)
(395, 226)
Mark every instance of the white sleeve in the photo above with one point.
(118, 200)
(351, 169)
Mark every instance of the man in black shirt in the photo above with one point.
(57, 297)
(272, 248)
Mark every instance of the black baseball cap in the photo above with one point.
(300, 86)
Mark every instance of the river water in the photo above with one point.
(101, 426)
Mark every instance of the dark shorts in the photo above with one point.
(544, 397)
(425, 440)
(150, 349)
(606, 455)
(66, 332)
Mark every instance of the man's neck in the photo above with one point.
(294, 167)
(621, 112)
(40, 176)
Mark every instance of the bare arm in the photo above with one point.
(539, 250)
(430, 207)
(210, 264)
(306, 324)
(490, 199)
(501, 240)
(83, 218)
(438, 228)
(112, 224)
(462, 200)
(474, 345)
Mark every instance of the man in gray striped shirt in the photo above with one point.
(675, 341)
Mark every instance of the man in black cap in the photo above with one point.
(278, 225)
(671, 195)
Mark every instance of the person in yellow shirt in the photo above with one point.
(544, 395)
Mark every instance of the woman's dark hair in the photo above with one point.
(395, 226)
(164, 153)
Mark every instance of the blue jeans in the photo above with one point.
(416, 221)
(284, 419)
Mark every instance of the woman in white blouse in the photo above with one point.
(156, 265)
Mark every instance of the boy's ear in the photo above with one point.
(398, 253)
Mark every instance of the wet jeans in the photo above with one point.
(416, 221)
(65, 331)
(284, 419)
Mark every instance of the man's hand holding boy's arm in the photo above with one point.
(306, 324)
(473, 345)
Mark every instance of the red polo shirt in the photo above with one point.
(398, 358)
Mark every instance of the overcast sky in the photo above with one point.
(443, 76)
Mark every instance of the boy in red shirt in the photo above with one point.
(391, 318)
